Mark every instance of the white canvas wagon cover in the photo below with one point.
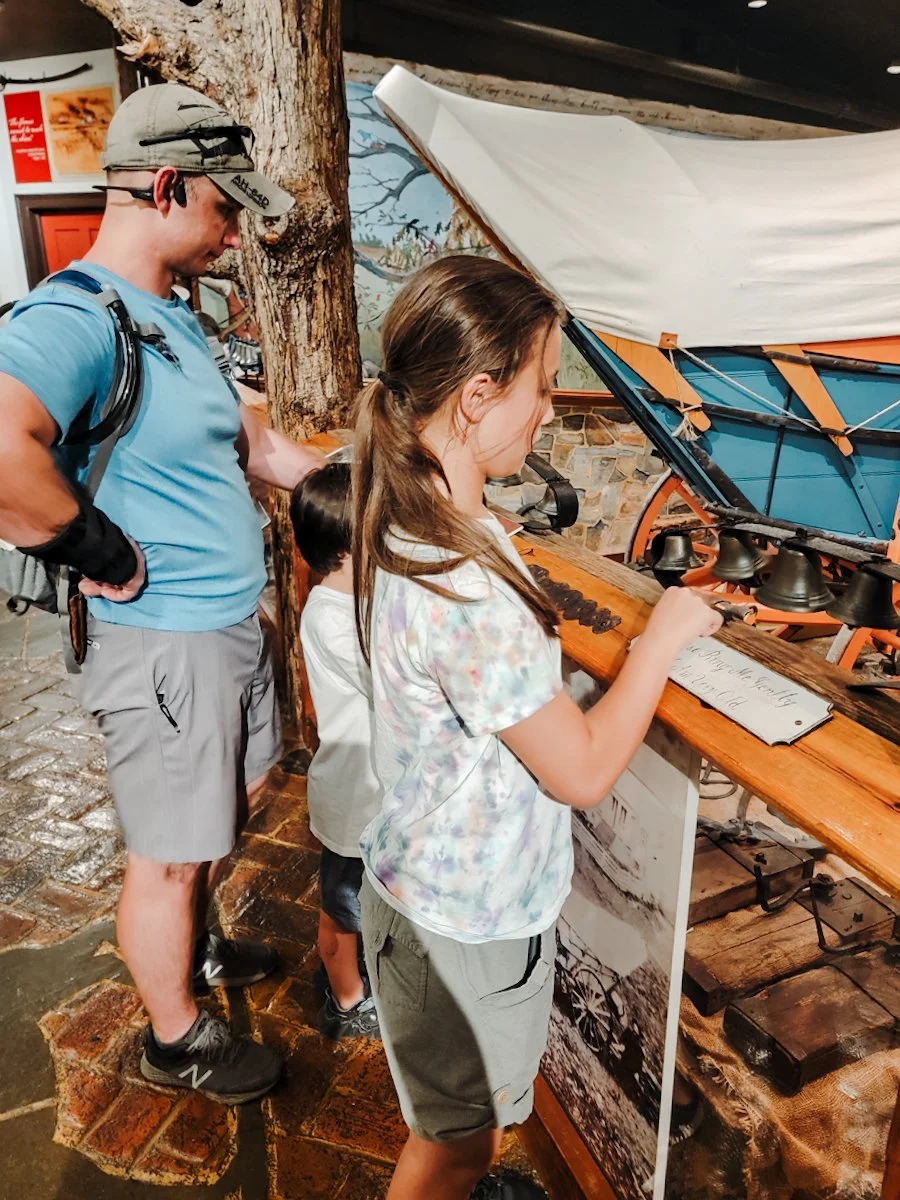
(642, 232)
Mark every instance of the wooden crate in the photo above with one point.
(877, 972)
(855, 911)
(723, 877)
(719, 885)
(745, 950)
(802, 1028)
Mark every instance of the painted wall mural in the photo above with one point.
(402, 218)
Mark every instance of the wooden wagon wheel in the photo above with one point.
(590, 1009)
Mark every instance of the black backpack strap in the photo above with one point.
(119, 410)
(123, 399)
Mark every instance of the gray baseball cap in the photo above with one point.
(170, 125)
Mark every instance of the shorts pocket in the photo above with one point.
(164, 671)
(401, 967)
(111, 679)
(535, 969)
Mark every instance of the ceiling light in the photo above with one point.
(894, 68)
(757, 3)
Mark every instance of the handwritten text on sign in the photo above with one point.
(773, 708)
(27, 139)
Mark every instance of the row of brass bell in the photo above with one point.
(739, 559)
(868, 602)
(795, 585)
(673, 552)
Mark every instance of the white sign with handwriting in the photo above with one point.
(773, 708)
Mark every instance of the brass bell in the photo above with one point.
(672, 553)
(868, 602)
(796, 583)
(739, 558)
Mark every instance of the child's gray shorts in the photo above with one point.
(464, 1026)
(188, 719)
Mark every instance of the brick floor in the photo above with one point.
(332, 1129)
(60, 853)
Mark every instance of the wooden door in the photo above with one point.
(68, 235)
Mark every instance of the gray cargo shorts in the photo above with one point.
(188, 719)
(464, 1026)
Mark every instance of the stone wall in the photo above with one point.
(607, 460)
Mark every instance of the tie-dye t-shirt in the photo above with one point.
(466, 843)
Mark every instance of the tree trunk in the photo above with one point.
(276, 65)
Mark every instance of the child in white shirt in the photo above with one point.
(343, 792)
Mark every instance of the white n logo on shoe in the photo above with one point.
(197, 1080)
(212, 972)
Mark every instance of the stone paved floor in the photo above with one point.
(60, 854)
(77, 1122)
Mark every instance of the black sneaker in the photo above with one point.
(359, 1021)
(211, 1060)
(507, 1185)
(224, 962)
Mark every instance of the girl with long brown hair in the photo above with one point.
(479, 751)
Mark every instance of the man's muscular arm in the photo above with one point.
(39, 511)
(35, 502)
(271, 457)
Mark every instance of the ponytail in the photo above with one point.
(455, 318)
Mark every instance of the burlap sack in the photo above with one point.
(827, 1142)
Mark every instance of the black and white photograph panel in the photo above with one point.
(620, 942)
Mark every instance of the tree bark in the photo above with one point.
(276, 65)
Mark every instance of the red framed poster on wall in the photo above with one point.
(27, 138)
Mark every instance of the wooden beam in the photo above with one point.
(658, 371)
(841, 783)
(813, 393)
(583, 397)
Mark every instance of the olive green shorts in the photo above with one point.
(464, 1026)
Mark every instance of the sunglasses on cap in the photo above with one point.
(235, 139)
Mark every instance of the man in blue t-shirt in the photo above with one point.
(178, 672)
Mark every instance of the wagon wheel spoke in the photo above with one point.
(590, 1009)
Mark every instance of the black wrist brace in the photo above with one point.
(93, 545)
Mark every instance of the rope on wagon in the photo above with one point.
(874, 417)
(687, 431)
(700, 362)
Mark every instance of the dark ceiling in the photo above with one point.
(819, 61)
(34, 28)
